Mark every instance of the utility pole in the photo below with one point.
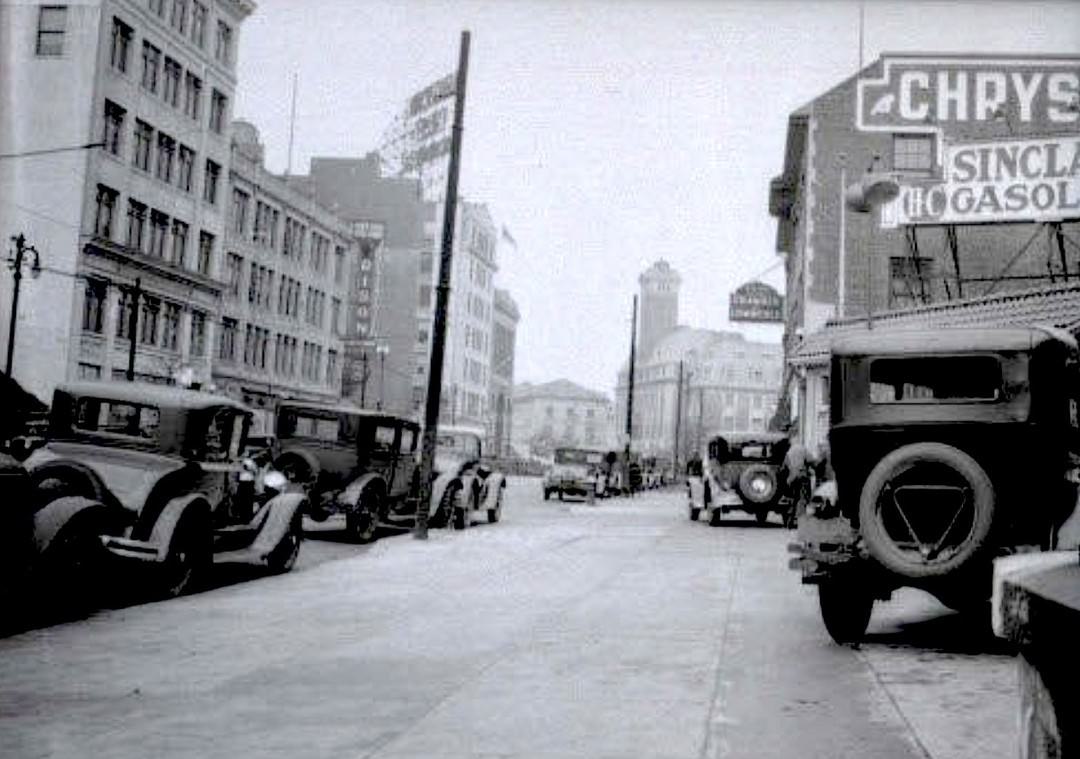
(16, 264)
(630, 393)
(133, 328)
(363, 378)
(442, 297)
(701, 415)
(678, 417)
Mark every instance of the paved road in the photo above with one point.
(567, 630)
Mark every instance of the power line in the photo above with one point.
(50, 151)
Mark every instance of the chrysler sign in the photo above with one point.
(1015, 180)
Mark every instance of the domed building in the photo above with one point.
(729, 383)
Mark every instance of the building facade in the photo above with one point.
(135, 225)
(690, 383)
(501, 392)
(287, 286)
(979, 157)
(560, 413)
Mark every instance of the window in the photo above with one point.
(159, 228)
(192, 95)
(331, 367)
(937, 378)
(197, 345)
(93, 315)
(136, 225)
(170, 327)
(253, 283)
(223, 47)
(114, 126)
(170, 90)
(178, 20)
(218, 102)
(239, 210)
(227, 342)
(166, 150)
(206, 253)
(144, 139)
(210, 181)
(425, 262)
(52, 20)
(123, 314)
(913, 152)
(198, 23)
(105, 211)
(89, 371)
(179, 242)
(157, 7)
(425, 296)
(234, 265)
(151, 60)
(339, 263)
(185, 168)
(120, 52)
(149, 310)
(335, 315)
(422, 336)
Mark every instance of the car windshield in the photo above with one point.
(577, 456)
(117, 417)
(458, 444)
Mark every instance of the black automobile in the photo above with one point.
(742, 472)
(154, 476)
(950, 447)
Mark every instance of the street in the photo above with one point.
(619, 629)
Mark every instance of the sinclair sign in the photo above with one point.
(920, 93)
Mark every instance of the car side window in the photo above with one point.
(408, 440)
(384, 437)
(219, 435)
(118, 418)
(935, 379)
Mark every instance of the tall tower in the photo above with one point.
(659, 305)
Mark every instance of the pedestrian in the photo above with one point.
(795, 472)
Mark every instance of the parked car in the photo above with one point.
(576, 472)
(950, 447)
(741, 472)
(355, 464)
(463, 484)
(153, 475)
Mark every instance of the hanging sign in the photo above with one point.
(756, 302)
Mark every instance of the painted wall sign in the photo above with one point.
(756, 302)
(1015, 180)
(920, 93)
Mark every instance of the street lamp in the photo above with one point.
(15, 262)
(382, 349)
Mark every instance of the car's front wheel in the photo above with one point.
(362, 522)
(187, 558)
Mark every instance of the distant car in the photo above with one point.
(742, 472)
(950, 447)
(464, 485)
(576, 472)
(355, 464)
(154, 476)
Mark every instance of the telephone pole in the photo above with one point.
(133, 328)
(630, 393)
(442, 297)
(678, 417)
(15, 263)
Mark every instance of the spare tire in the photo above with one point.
(758, 484)
(926, 510)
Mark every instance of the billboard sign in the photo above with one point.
(1003, 181)
(369, 236)
(426, 126)
(756, 302)
(925, 93)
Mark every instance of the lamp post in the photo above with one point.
(15, 262)
(382, 349)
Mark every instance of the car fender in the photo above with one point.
(351, 495)
(50, 520)
(493, 486)
(438, 489)
(170, 516)
(311, 461)
(280, 512)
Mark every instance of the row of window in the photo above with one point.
(188, 18)
(287, 349)
(264, 232)
(261, 288)
(157, 325)
(151, 232)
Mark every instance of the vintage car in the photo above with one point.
(355, 464)
(463, 485)
(741, 472)
(576, 472)
(950, 447)
(153, 474)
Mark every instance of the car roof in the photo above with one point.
(148, 393)
(341, 408)
(947, 340)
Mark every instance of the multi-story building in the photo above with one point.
(386, 343)
(287, 275)
(560, 413)
(501, 391)
(135, 224)
(978, 155)
(728, 383)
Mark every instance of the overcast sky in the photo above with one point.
(604, 134)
